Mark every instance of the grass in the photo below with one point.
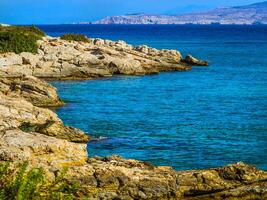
(75, 37)
(23, 183)
(19, 39)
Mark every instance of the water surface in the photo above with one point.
(203, 118)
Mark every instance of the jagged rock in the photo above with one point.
(114, 177)
(60, 59)
(37, 135)
(40, 150)
(30, 59)
(18, 114)
(38, 92)
(193, 61)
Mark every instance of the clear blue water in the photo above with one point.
(203, 118)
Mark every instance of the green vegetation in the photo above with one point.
(75, 37)
(27, 30)
(23, 184)
(19, 38)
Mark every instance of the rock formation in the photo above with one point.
(60, 59)
(194, 61)
(31, 133)
(39, 92)
(19, 114)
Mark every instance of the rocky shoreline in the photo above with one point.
(31, 132)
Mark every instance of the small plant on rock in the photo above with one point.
(75, 37)
(21, 183)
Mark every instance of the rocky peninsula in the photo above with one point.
(30, 131)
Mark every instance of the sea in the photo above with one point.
(203, 118)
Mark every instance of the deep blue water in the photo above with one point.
(203, 118)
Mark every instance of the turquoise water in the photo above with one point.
(203, 118)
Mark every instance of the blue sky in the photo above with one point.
(69, 11)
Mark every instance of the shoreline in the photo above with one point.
(49, 144)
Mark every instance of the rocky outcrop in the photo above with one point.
(189, 59)
(31, 133)
(38, 92)
(60, 59)
(18, 114)
(114, 177)
(117, 178)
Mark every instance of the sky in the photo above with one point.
(72, 11)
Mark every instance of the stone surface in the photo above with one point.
(189, 59)
(38, 92)
(60, 59)
(18, 114)
(34, 134)
(38, 136)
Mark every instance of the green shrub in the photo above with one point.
(75, 37)
(17, 42)
(19, 38)
(32, 30)
(26, 184)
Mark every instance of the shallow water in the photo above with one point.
(203, 118)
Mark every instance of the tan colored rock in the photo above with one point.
(40, 150)
(37, 135)
(8, 59)
(18, 114)
(60, 59)
(34, 90)
(114, 177)
(30, 59)
(28, 132)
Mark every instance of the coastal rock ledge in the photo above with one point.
(61, 59)
(30, 132)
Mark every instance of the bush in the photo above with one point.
(19, 38)
(24, 184)
(17, 42)
(32, 30)
(75, 37)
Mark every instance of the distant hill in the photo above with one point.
(249, 14)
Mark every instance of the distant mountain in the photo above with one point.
(249, 14)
